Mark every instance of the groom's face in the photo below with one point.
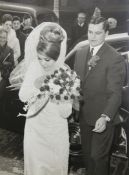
(96, 34)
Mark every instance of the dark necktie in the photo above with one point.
(90, 57)
(91, 52)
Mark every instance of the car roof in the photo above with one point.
(21, 7)
(117, 37)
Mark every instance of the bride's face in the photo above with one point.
(46, 62)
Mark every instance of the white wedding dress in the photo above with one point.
(46, 139)
(46, 142)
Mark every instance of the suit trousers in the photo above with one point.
(96, 148)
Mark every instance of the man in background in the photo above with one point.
(79, 28)
(27, 24)
(20, 35)
(113, 28)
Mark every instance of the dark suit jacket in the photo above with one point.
(102, 85)
(6, 61)
(22, 37)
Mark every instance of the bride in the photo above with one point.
(46, 139)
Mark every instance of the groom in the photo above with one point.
(102, 74)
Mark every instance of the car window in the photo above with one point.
(46, 17)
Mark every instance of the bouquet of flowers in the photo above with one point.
(61, 86)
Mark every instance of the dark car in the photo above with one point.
(39, 14)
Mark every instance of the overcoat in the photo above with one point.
(6, 66)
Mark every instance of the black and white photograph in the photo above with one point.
(64, 87)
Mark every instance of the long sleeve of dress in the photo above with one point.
(28, 88)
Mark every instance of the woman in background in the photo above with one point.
(12, 40)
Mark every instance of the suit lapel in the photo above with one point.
(100, 54)
(83, 59)
(101, 51)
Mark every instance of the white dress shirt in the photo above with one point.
(96, 49)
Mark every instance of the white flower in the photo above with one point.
(77, 81)
(50, 82)
(65, 92)
(67, 87)
(61, 81)
(54, 88)
(75, 92)
(67, 79)
(69, 73)
(56, 74)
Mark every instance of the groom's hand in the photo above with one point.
(100, 125)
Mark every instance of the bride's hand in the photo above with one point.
(38, 82)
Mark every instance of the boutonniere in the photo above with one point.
(93, 61)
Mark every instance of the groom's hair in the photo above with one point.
(98, 20)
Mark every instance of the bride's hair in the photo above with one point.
(50, 41)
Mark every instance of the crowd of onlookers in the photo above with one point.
(13, 34)
(17, 32)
